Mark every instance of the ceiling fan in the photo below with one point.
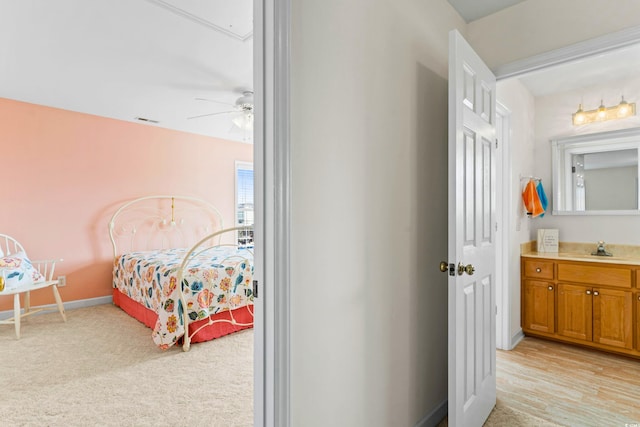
(242, 110)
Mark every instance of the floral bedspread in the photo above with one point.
(220, 279)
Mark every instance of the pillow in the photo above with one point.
(16, 271)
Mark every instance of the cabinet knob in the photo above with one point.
(538, 270)
(588, 292)
(550, 288)
(596, 293)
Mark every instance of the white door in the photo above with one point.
(472, 306)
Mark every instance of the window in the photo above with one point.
(244, 201)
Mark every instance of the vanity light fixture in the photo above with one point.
(602, 113)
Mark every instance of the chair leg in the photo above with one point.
(27, 302)
(16, 314)
(56, 295)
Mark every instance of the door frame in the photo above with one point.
(272, 170)
(503, 228)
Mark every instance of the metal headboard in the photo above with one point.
(162, 222)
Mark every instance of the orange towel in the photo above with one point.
(532, 200)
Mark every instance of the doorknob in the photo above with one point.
(469, 269)
(444, 266)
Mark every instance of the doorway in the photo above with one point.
(535, 74)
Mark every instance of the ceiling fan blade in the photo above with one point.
(217, 102)
(211, 114)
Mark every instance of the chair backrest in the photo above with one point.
(9, 245)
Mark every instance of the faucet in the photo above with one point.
(600, 250)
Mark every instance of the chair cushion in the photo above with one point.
(17, 271)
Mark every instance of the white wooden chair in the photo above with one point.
(10, 246)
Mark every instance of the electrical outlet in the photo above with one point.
(62, 281)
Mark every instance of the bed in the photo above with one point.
(179, 271)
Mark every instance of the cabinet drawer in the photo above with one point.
(595, 275)
(539, 269)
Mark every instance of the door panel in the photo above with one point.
(472, 327)
(487, 325)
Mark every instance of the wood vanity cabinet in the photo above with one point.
(637, 298)
(586, 303)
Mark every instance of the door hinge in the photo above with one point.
(255, 289)
(496, 143)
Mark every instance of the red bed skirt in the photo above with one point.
(217, 330)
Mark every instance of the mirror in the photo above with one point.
(596, 174)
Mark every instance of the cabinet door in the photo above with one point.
(539, 307)
(575, 311)
(637, 297)
(613, 317)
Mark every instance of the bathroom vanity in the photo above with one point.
(575, 297)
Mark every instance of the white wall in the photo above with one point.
(369, 135)
(553, 120)
(369, 211)
(536, 26)
(513, 95)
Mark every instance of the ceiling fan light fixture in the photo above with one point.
(244, 121)
(246, 100)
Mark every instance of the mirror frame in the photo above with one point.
(563, 148)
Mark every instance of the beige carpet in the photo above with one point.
(101, 368)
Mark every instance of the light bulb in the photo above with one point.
(623, 108)
(578, 117)
(602, 110)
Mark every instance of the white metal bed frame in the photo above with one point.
(199, 248)
(164, 221)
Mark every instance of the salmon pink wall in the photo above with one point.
(65, 173)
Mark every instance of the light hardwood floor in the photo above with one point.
(569, 385)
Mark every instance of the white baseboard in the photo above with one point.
(71, 305)
(517, 338)
(433, 418)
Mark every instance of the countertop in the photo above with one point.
(569, 251)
